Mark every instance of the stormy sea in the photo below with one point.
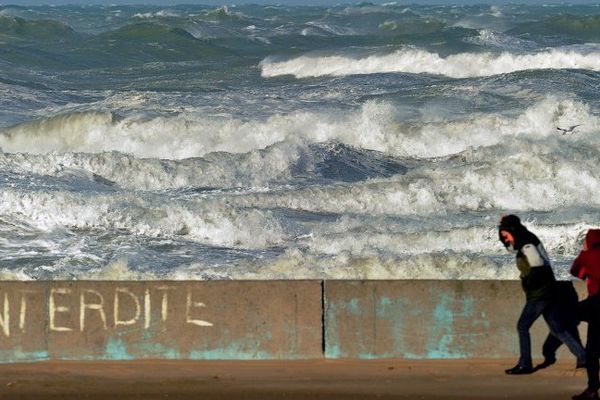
(277, 142)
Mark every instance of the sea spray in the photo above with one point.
(278, 142)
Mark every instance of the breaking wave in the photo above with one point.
(277, 164)
(203, 221)
(363, 256)
(417, 61)
(372, 126)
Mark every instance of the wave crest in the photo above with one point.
(373, 126)
(417, 61)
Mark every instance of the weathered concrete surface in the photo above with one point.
(266, 320)
(426, 319)
(23, 322)
(162, 320)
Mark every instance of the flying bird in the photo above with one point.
(569, 130)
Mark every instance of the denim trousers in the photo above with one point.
(569, 306)
(558, 328)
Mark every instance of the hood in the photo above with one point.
(592, 239)
(522, 236)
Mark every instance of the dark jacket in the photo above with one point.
(537, 277)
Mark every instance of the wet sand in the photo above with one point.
(316, 379)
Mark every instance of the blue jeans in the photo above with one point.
(551, 313)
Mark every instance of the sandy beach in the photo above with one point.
(315, 379)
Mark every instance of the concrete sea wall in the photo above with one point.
(87, 320)
(161, 320)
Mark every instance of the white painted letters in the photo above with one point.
(91, 306)
(128, 309)
(53, 309)
(5, 319)
(138, 310)
(188, 309)
(164, 309)
(147, 309)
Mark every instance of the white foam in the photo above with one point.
(361, 237)
(371, 126)
(417, 61)
(331, 28)
(219, 170)
(210, 222)
(520, 175)
(157, 14)
(491, 38)
(496, 11)
(356, 247)
(455, 253)
(295, 264)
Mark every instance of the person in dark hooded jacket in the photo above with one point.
(587, 266)
(539, 284)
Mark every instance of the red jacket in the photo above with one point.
(587, 264)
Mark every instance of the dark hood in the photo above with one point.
(512, 223)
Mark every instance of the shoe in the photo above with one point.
(587, 394)
(548, 361)
(519, 370)
(580, 364)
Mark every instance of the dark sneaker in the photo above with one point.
(580, 364)
(548, 361)
(587, 394)
(518, 370)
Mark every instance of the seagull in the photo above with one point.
(571, 129)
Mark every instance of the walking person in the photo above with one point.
(538, 282)
(587, 266)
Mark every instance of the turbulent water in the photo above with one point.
(268, 142)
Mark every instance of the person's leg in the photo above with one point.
(593, 348)
(588, 310)
(574, 331)
(564, 333)
(569, 309)
(531, 311)
(566, 302)
(551, 345)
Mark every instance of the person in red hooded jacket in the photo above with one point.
(587, 266)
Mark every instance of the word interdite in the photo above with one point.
(127, 308)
